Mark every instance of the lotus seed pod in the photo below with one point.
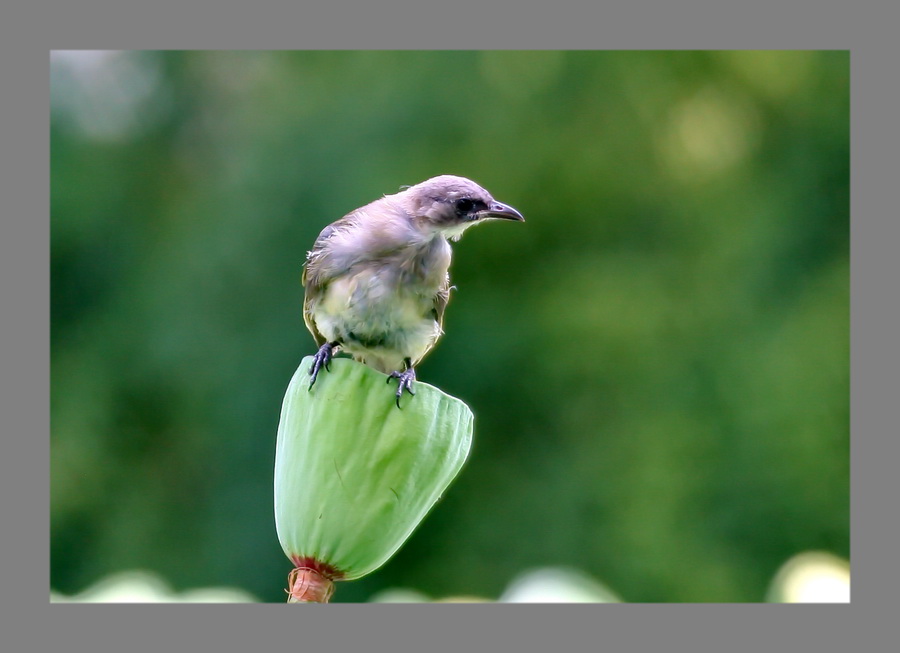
(355, 474)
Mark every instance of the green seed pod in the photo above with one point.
(355, 474)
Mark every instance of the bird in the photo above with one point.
(376, 281)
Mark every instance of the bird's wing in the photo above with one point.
(440, 301)
(315, 281)
(310, 322)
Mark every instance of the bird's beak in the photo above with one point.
(501, 211)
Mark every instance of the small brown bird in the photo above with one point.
(377, 280)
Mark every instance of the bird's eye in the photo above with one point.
(464, 205)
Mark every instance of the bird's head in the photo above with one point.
(448, 205)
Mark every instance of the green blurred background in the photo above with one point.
(658, 359)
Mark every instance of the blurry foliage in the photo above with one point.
(658, 359)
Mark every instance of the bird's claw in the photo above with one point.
(322, 358)
(405, 379)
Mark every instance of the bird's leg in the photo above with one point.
(405, 378)
(322, 359)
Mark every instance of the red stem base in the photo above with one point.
(308, 585)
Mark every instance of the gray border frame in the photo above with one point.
(866, 28)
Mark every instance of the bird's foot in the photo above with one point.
(321, 359)
(405, 379)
